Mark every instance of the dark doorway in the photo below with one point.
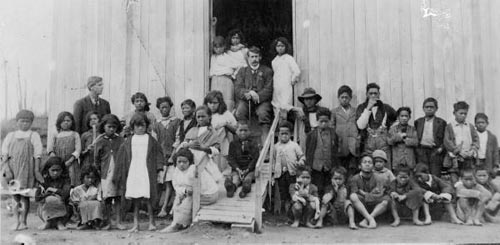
(261, 21)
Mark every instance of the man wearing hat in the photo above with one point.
(91, 102)
(310, 99)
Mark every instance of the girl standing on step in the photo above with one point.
(286, 74)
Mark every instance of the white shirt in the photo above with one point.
(462, 135)
(483, 140)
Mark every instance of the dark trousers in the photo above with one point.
(284, 182)
(321, 179)
(431, 158)
(264, 111)
(350, 163)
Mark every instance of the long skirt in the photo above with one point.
(51, 208)
(90, 210)
(226, 86)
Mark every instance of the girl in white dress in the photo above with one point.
(286, 74)
(223, 68)
(237, 50)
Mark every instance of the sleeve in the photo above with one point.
(444, 186)
(78, 146)
(475, 138)
(255, 157)
(412, 139)
(39, 195)
(231, 157)
(6, 143)
(266, 93)
(363, 116)
(78, 114)
(239, 85)
(353, 185)
(294, 68)
(291, 189)
(496, 153)
(449, 141)
(313, 191)
(37, 145)
(334, 118)
(64, 191)
(393, 136)
(51, 140)
(391, 115)
(391, 176)
(301, 158)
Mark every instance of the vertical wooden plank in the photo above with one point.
(371, 46)
(327, 54)
(179, 51)
(494, 84)
(302, 48)
(479, 24)
(189, 55)
(133, 51)
(405, 30)
(437, 46)
(469, 42)
(314, 49)
(487, 48)
(394, 54)
(383, 47)
(360, 42)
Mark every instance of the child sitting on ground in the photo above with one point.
(437, 191)
(83, 198)
(403, 140)
(488, 153)
(472, 198)
(367, 191)
(491, 212)
(288, 156)
(379, 169)
(243, 155)
(305, 201)
(405, 193)
(335, 201)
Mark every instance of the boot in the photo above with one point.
(230, 188)
(245, 189)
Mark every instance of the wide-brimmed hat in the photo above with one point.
(379, 154)
(309, 93)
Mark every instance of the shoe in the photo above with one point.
(230, 188)
(243, 194)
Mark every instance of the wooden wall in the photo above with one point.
(451, 56)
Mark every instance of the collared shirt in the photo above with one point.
(166, 120)
(254, 68)
(462, 135)
(427, 135)
(483, 140)
(312, 120)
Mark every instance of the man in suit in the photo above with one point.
(430, 133)
(253, 88)
(91, 102)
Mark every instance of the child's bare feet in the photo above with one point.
(83, 227)
(120, 226)
(106, 227)
(457, 221)
(372, 224)
(152, 227)
(162, 214)
(353, 226)
(134, 229)
(168, 229)
(469, 222)
(16, 227)
(476, 222)
(22, 226)
(310, 225)
(318, 225)
(428, 221)
(295, 224)
(363, 223)
(44, 226)
(396, 223)
(418, 222)
(60, 226)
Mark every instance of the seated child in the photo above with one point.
(405, 193)
(472, 198)
(437, 191)
(53, 194)
(288, 156)
(491, 212)
(242, 157)
(183, 182)
(335, 202)
(379, 169)
(305, 201)
(403, 140)
(488, 153)
(368, 191)
(84, 200)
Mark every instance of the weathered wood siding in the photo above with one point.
(451, 56)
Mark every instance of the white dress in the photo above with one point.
(138, 177)
(285, 70)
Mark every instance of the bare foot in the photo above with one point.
(22, 226)
(427, 221)
(396, 223)
(152, 227)
(372, 224)
(168, 229)
(16, 227)
(106, 227)
(44, 226)
(469, 222)
(363, 223)
(162, 214)
(60, 226)
(295, 224)
(120, 227)
(83, 227)
(318, 225)
(418, 222)
(353, 226)
(476, 222)
(308, 224)
(457, 222)
(134, 229)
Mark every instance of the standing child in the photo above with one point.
(286, 74)
(21, 153)
(223, 120)
(436, 191)
(472, 198)
(305, 201)
(243, 155)
(223, 68)
(403, 139)
(141, 104)
(53, 194)
(288, 156)
(87, 156)
(183, 181)
(322, 149)
(492, 211)
(164, 132)
(460, 141)
(430, 132)
(367, 191)
(188, 108)
(237, 51)
(141, 158)
(84, 200)
(405, 193)
(66, 144)
(344, 122)
(379, 169)
(310, 100)
(488, 153)
(107, 147)
(335, 201)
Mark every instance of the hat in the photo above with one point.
(93, 80)
(379, 154)
(308, 94)
(25, 114)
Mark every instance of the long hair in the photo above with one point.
(60, 119)
(55, 161)
(143, 97)
(216, 95)
(288, 46)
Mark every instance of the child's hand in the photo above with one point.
(248, 96)
(376, 190)
(394, 195)
(52, 154)
(90, 147)
(401, 197)
(327, 198)
(371, 104)
(51, 190)
(69, 162)
(316, 215)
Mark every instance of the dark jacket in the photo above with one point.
(345, 126)
(437, 186)
(438, 127)
(312, 141)
(166, 135)
(107, 147)
(261, 82)
(84, 106)
(376, 122)
(307, 123)
(243, 160)
(492, 154)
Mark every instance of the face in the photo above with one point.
(309, 102)
(235, 39)
(55, 171)
(218, 49)
(481, 125)
(139, 104)
(187, 110)
(403, 178)
(243, 132)
(482, 176)
(338, 179)
(109, 129)
(345, 100)
(404, 117)
(284, 134)
(66, 123)
(202, 118)
(253, 59)
(213, 105)
(164, 109)
(468, 180)
(24, 124)
(379, 163)
(89, 179)
(97, 88)
(366, 164)
(373, 94)
(460, 115)
(422, 177)
(182, 163)
(94, 120)
(304, 177)
(140, 128)
(323, 122)
(430, 109)
(280, 48)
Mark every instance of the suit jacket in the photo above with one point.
(261, 82)
(166, 135)
(84, 106)
(492, 154)
(312, 141)
(438, 127)
(346, 129)
(403, 152)
(451, 146)
(437, 186)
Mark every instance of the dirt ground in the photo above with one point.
(275, 231)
